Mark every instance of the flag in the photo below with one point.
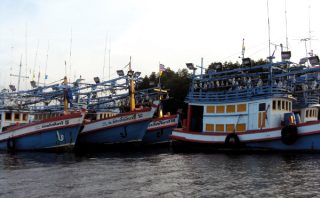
(161, 69)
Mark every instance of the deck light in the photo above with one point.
(120, 72)
(191, 66)
(96, 80)
(33, 84)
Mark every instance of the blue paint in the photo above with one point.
(158, 136)
(52, 139)
(133, 132)
(309, 142)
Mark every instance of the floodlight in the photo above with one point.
(246, 61)
(136, 74)
(96, 80)
(130, 73)
(286, 55)
(12, 87)
(314, 60)
(190, 66)
(33, 84)
(120, 72)
(303, 60)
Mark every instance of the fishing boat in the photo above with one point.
(161, 126)
(273, 106)
(19, 130)
(113, 128)
(160, 129)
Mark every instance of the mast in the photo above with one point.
(104, 57)
(109, 56)
(285, 13)
(270, 58)
(65, 100)
(132, 99)
(45, 71)
(70, 55)
(309, 9)
(19, 75)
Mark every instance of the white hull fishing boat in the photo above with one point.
(274, 106)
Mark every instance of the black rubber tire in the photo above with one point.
(289, 134)
(232, 140)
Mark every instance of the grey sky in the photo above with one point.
(172, 32)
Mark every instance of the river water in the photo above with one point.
(159, 172)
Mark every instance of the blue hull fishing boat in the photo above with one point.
(273, 106)
(58, 133)
(127, 127)
(160, 129)
(121, 128)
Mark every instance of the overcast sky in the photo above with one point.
(171, 32)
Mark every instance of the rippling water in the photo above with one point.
(159, 173)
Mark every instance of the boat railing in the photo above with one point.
(237, 95)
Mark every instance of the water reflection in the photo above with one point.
(158, 173)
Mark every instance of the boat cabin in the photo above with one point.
(11, 117)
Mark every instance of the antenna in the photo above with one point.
(26, 48)
(19, 76)
(104, 57)
(309, 11)
(270, 58)
(35, 60)
(70, 54)
(45, 71)
(243, 49)
(285, 13)
(109, 55)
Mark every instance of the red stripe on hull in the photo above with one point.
(106, 127)
(40, 131)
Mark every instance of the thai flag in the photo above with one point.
(162, 68)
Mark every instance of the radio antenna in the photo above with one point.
(285, 13)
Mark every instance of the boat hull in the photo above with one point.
(56, 135)
(160, 130)
(308, 139)
(122, 128)
(124, 133)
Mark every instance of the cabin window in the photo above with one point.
(279, 105)
(25, 117)
(231, 108)
(290, 106)
(220, 109)
(262, 106)
(220, 127)
(0, 116)
(209, 127)
(310, 113)
(274, 105)
(8, 116)
(16, 116)
(241, 127)
(230, 127)
(307, 113)
(283, 107)
(210, 109)
(241, 107)
(287, 105)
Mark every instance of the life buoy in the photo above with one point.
(289, 134)
(11, 144)
(232, 140)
